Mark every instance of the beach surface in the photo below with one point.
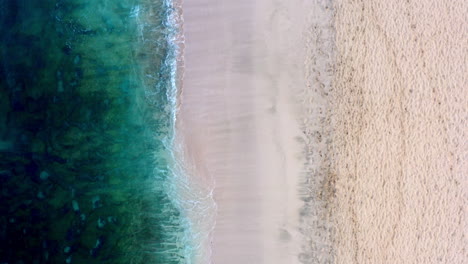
(244, 65)
(399, 114)
(328, 132)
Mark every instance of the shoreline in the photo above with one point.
(202, 122)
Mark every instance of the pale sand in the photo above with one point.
(244, 66)
(384, 147)
(399, 152)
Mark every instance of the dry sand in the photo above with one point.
(399, 148)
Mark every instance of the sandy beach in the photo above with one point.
(243, 69)
(329, 132)
(399, 114)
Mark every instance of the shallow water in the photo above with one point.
(87, 112)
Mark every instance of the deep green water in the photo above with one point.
(85, 112)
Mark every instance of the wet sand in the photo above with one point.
(243, 69)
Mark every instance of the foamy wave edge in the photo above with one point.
(193, 199)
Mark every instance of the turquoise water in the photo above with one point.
(87, 99)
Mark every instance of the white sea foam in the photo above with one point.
(193, 198)
(191, 231)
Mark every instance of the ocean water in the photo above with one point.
(88, 94)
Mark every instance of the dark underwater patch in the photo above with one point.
(78, 135)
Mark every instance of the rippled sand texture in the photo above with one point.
(399, 153)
